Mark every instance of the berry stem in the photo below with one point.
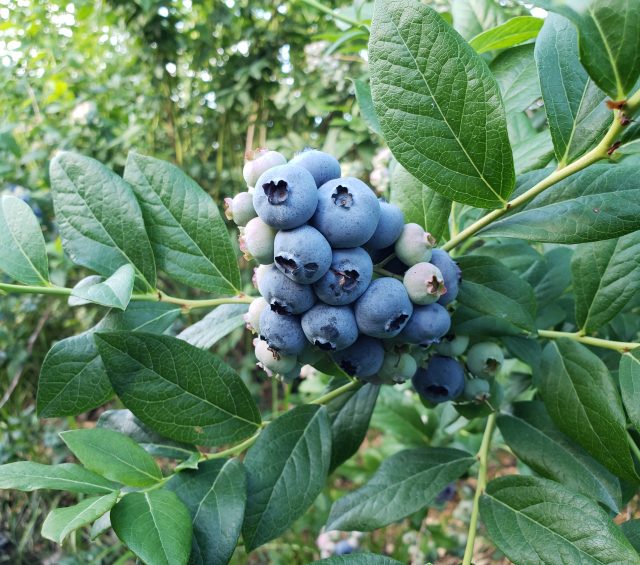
(385, 273)
(619, 346)
(600, 151)
(483, 459)
(337, 392)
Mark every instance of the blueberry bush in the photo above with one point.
(495, 286)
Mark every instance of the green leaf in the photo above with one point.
(493, 300)
(287, 468)
(189, 237)
(609, 40)
(396, 414)
(515, 71)
(62, 521)
(114, 292)
(472, 17)
(631, 530)
(218, 323)
(629, 376)
(550, 276)
(438, 105)
(155, 525)
(178, 390)
(574, 105)
(113, 455)
(601, 202)
(512, 32)
(606, 276)
(357, 559)
(73, 379)
(363, 96)
(350, 415)
(583, 402)
(215, 496)
(419, 203)
(533, 153)
(23, 255)
(405, 483)
(534, 520)
(28, 476)
(536, 441)
(99, 219)
(125, 422)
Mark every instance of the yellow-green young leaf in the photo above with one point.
(513, 32)
(363, 96)
(189, 237)
(178, 390)
(155, 525)
(534, 520)
(114, 292)
(99, 219)
(22, 250)
(584, 403)
(62, 521)
(576, 112)
(419, 203)
(28, 476)
(629, 375)
(113, 455)
(439, 105)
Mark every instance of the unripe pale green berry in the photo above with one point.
(272, 361)
(256, 241)
(453, 345)
(262, 161)
(397, 368)
(424, 283)
(252, 317)
(477, 390)
(414, 245)
(240, 208)
(485, 359)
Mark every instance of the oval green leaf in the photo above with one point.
(512, 32)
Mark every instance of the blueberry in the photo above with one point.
(389, 226)
(397, 367)
(259, 273)
(477, 390)
(285, 197)
(284, 295)
(347, 212)
(303, 254)
(453, 345)
(362, 359)
(414, 245)
(263, 161)
(343, 547)
(331, 328)
(272, 361)
(252, 317)
(322, 166)
(283, 334)
(256, 241)
(240, 208)
(427, 325)
(450, 273)
(442, 380)
(384, 309)
(347, 278)
(446, 494)
(424, 283)
(485, 359)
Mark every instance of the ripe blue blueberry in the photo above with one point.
(384, 309)
(256, 241)
(427, 325)
(389, 227)
(347, 213)
(450, 273)
(252, 317)
(477, 390)
(485, 359)
(397, 367)
(262, 161)
(414, 245)
(331, 328)
(343, 547)
(283, 334)
(240, 208)
(303, 254)
(424, 283)
(347, 278)
(285, 197)
(442, 380)
(284, 295)
(272, 361)
(453, 345)
(322, 166)
(362, 359)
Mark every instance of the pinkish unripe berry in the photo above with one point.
(414, 245)
(424, 283)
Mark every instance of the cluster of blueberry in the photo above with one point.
(342, 275)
